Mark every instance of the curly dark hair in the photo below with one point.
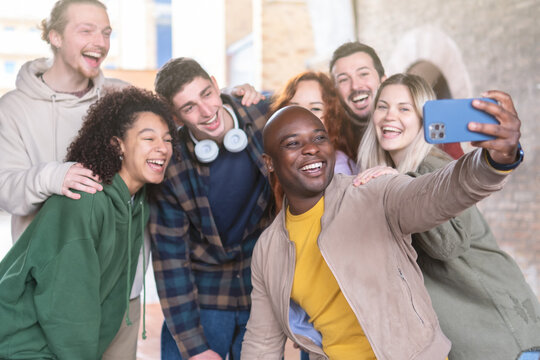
(112, 116)
(353, 47)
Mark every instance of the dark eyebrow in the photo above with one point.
(363, 68)
(145, 130)
(357, 69)
(150, 130)
(189, 103)
(205, 89)
(289, 136)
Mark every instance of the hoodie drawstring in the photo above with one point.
(144, 272)
(54, 125)
(128, 288)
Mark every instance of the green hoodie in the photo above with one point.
(64, 286)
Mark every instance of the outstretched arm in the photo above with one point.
(434, 198)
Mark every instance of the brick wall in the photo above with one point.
(477, 45)
(497, 42)
(287, 41)
(238, 20)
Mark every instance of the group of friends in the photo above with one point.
(318, 214)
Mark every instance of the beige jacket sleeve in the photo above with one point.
(25, 186)
(417, 205)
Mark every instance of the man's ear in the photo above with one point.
(268, 162)
(55, 39)
(214, 82)
(177, 120)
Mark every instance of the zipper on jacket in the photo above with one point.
(410, 294)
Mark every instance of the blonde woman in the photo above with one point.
(483, 302)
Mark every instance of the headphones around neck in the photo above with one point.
(235, 140)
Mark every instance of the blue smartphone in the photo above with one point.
(445, 121)
(533, 354)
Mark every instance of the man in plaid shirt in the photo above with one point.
(207, 216)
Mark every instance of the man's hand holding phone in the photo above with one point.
(503, 149)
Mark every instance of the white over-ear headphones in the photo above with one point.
(235, 140)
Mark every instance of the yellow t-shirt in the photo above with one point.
(316, 290)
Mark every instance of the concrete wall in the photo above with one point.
(478, 45)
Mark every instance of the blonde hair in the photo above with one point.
(370, 152)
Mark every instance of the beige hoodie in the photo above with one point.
(36, 127)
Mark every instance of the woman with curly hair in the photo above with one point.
(65, 285)
(315, 91)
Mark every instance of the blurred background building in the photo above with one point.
(461, 47)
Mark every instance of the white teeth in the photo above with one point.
(312, 166)
(157, 162)
(360, 97)
(211, 120)
(92, 54)
(390, 129)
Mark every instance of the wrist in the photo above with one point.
(506, 167)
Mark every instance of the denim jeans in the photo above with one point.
(224, 332)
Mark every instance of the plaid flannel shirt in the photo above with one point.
(192, 267)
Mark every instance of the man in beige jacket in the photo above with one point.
(336, 272)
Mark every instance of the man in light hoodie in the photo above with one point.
(40, 118)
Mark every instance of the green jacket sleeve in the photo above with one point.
(67, 301)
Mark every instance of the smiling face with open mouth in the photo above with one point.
(396, 120)
(299, 151)
(198, 106)
(146, 150)
(84, 42)
(357, 82)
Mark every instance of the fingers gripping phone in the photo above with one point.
(445, 121)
